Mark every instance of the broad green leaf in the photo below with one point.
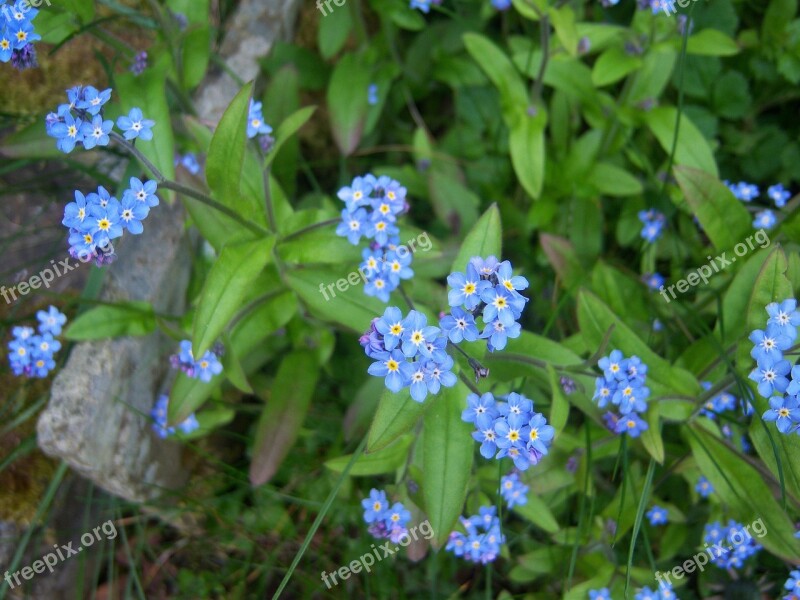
(117, 320)
(527, 10)
(537, 512)
(730, 96)
(526, 144)
(453, 201)
(396, 415)
(226, 153)
(710, 42)
(54, 27)
(333, 32)
(692, 149)
(387, 460)
(653, 76)
(651, 439)
(612, 65)
(563, 20)
(723, 218)
(195, 53)
(500, 70)
(83, 9)
(350, 308)
(283, 414)
(732, 322)
(484, 239)
(347, 101)
(448, 449)
(263, 321)
(611, 180)
(226, 285)
(288, 128)
(741, 487)
(148, 92)
(188, 394)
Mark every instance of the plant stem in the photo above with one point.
(300, 232)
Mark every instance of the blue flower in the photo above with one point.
(771, 376)
(744, 191)
(604, 391)
(143, 192)
(422, 5)
(135, 125)
(379, 286)
(92, 100)
(380, 230)
(440, 374)
(132, 213)
(419, 381)
(357, 194)
(372, 94)
(459, 325)
(416, 334)
(785, 411)
(657, 515)
(516, 404)
(51, 320)
(207, 367)
(394, 367)
(770, 344)
(501, 306)
(793, 583)
(778, 194)
(483, 538)
(396, 516)
(75, 213)
(505, 278)
(631, 424)
(785, 316)
(480, 410)
(646, 593)
(488, 439)
(397, 267)
(501, 4)
(601, 594)
(7, 44)
(375, 506)
(654, 281)
(485, 267)
(391, 327)
(653, 224)
(614, 366)
(255, 121)
(95, 133)
(22, 34)
(68, 134)
(765, 219)
(540, 434)
(704, 487)
(511, 431)
(353, 225)
(105, 222)
(513, 490)
(466, 289)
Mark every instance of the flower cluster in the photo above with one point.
(159, 416)
(95, 219)
(722, 402)
(490, 289)
(139, 63)
(747, 192)
(775, 376)
(31, 353)
(792, 585)
(17, 34)
(80, 121)
(408, 353)
(509, 428)
(482, 541)
(385, 521)
(601, 594)
(203, 369)
(514, 492)
(653, 223)
(372, 207)
(623, 385)
(664, 592)
(734, 555)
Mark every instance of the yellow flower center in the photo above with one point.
(358, 195)
(513, 435)
(391, 195)
(534, 434)
(376, 507)
(104, 224)
(784, 412)
(392, 364)
(469, 288)
(380, 226)
(631, 424)
(416, 337)
(396, 329)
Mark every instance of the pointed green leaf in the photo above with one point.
(692, 149)
(347, 101)
(387, 460)
(396, 415)
(484, 239)
(117, 320)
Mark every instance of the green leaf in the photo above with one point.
(228, 282)
(54, 27)
(352, 308)
(563, 258)
(347, 101)
(262, 322)
(563, 20)
(148, 92)
(284, 413)
(500, 70)
(333, 32)
(195, 53)
(484, 239)
(613, 65)
(117, 320)
(538, 512)
(611, 180)
(83, 9)
(692, 149)
(731, 96)
(741, 487)
(710, 42)
(287, 129)
(226, 153)
(387, 460)
(526, 144)
(187, 395)
(448, 449)
(651, 439)
(396, 415)
(723, 218)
